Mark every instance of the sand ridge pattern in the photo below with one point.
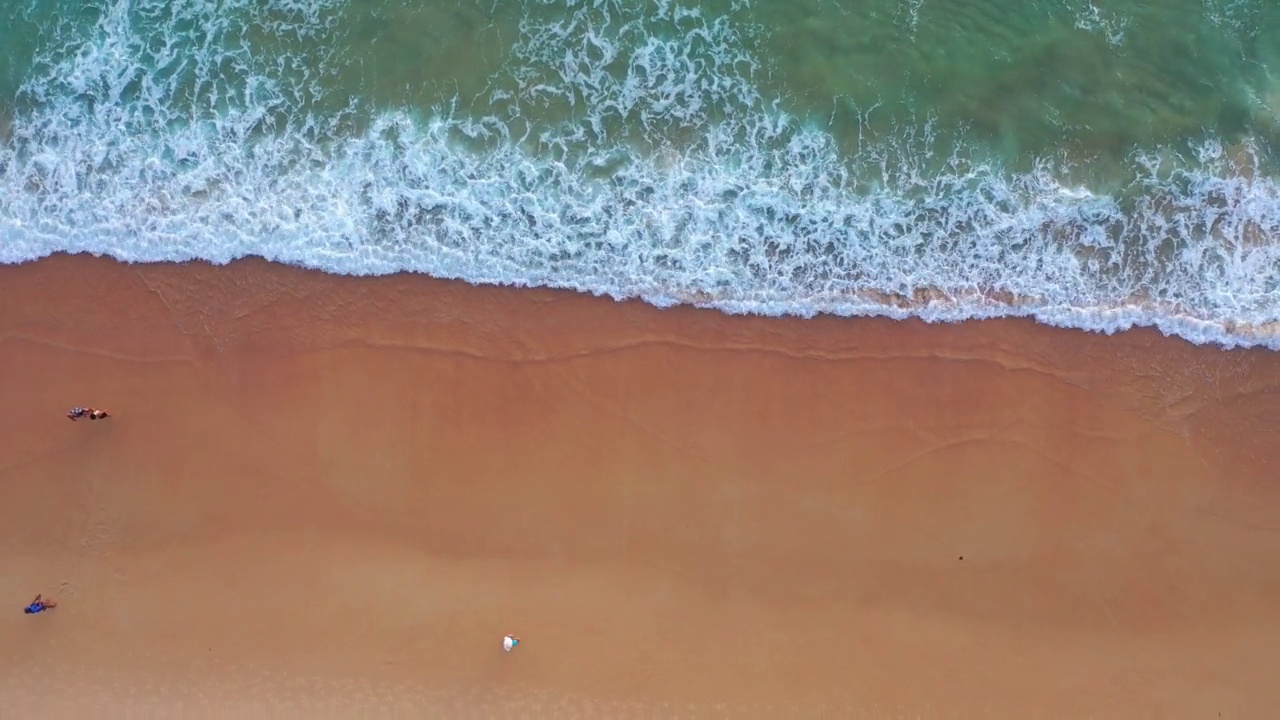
(331, 495)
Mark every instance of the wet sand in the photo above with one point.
(331, 496)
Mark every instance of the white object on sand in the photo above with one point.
(509, 642)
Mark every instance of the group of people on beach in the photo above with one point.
(40, 604)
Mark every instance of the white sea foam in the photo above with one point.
(1090, 18)
(222, 155)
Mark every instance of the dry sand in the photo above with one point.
(330, 496)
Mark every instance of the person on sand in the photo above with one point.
(509, 642)
(39, 605)
(98, 414)
(76, 413)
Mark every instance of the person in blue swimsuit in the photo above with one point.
(39, 605)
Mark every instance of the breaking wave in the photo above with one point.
(623, 149)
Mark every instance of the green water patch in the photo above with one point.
(416, 54)
(32, 32)
(1025, 78)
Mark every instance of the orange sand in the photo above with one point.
(328, 496)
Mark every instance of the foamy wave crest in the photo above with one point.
(626, 151)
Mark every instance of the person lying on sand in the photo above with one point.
(509, 642)
(78, 412)
(38, 606)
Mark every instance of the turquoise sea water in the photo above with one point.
(1093, 165)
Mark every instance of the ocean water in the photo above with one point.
(1095, 165)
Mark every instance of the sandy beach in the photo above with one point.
(330, 496)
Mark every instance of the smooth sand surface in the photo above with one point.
(327, 496)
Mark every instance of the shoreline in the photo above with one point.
(349, 488)
(929, 304)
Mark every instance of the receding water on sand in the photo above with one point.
(934, 158)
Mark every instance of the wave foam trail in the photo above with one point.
(625, 150)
